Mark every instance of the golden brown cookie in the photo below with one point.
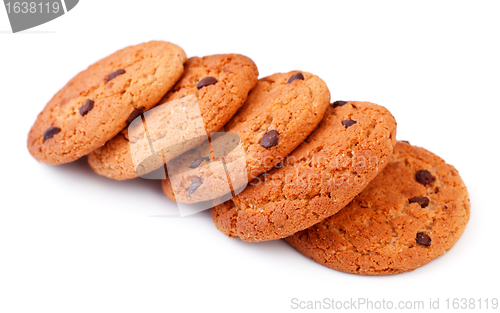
(98, 103)
(280, 112)
(350, 147)
(219, 84)
(411, 213)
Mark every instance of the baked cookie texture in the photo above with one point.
(220, 85)
(280, 112)
(96, 104)
(411, 213)
(350, 147)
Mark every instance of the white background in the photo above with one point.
(72, 241)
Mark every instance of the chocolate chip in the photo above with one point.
(207, 81)
(405, 141)
(339, 103)
(196, 162)
(84, 109)
(270, 139)
(348, 123)
(295, 76)
(194, 185)
(423, 201)
(423, 239)
(51, 132)
(115, 74)
(424, 177)
(134, 114)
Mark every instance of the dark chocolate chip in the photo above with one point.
(423, 239)
(134, 114)
(207, 81)
(51, 132)
(406, 141)
(86, 107)
(339, 103)
(196, 162)
(115, 74)
(270, 139)
(295, 76)
(424, 177)
(194, 185)
(348, 123)
(423, 201)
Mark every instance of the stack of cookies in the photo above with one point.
(273, 157)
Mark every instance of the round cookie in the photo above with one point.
(411, 213)
(280, 112)
(220, 85)
(98, 103)
(350, 147)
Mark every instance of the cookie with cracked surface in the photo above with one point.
(280, 112)
(320, 177)
(220, 85)
(96, 104)
(411, 213)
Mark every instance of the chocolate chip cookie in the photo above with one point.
(219, 84)
(350, 147)
(98, 103)
(280, 112)
(411, 213)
